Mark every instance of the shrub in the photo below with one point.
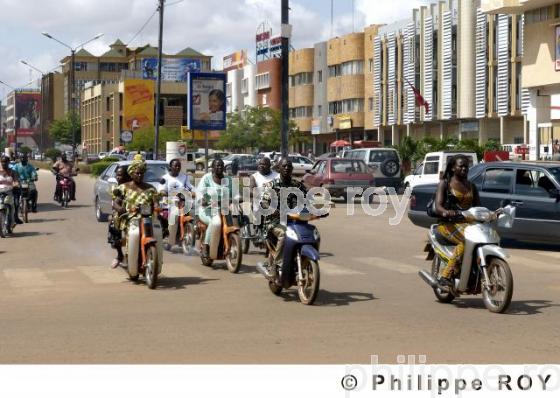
(99, 167)
(53, 154)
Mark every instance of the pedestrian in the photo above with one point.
(114, 237)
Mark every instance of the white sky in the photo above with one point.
(213, 27)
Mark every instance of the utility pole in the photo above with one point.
(73, 101)
(158, 83)
(286, 33)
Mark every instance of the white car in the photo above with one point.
(431, 170)
(229, 159)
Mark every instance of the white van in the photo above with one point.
(431, 170)
(385, 164)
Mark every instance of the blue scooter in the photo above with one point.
(300, 266)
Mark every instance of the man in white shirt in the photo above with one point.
(265, 175)
(173, 183)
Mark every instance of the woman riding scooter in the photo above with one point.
(134, 194)
(8, 179)
(455, 193)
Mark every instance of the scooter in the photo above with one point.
(6, 206)
(225, 243)
(144, 249)
(182, 228)
(251, 233)
(484, 267)
(64, 183)
(26, 187)
(300, 264)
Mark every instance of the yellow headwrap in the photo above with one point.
(138, 156)
(137, 166)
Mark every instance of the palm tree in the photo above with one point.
(407, 149)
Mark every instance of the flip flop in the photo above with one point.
(115, 263)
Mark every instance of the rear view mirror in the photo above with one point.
(505, 202)
(162, 181)
(554, 193)
(112, 180)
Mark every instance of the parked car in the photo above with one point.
(533, 187)
(229, 159)
(327, 155)
(247, 166)
(106, 181)
(200, 162)
(337, 175)
(431, 169)
(101, 155)
(384, 162)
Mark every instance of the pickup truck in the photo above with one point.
(533, 187)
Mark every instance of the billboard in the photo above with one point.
(236, 60)
(207, 101)
(172, 69)
(28, 113)
(139, 103)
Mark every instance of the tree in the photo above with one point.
(407, 151)
(63, 130)
(25, 150)
(143, 139)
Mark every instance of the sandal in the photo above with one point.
(115, 263)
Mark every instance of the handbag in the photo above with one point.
(431, 206)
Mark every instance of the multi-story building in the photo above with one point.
(23, 117)
(465, 64)
(540, 78)
(268, 83)
(301, 92)
(52, 107)
(240, 88)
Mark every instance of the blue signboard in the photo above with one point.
(206, 101)
(172, 69)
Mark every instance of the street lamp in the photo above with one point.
(71, 101)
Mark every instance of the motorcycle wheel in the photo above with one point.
(65, 199)
(274, 288)
(24, 210)
(151, 267)
(188, 241)
(235, 255)
(246, 241)
(3, 231)
(309, 287)
(498, 297)
(442, 296)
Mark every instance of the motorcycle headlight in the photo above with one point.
(291, 234)
(146, 209)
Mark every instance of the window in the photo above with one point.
(419, 169)
(319, 110)
(107, 67)
(80, 66)
(319, 76)
(346, 106)
(498, 180)
(533, 183)
(228, 89)
(262, 81)
(370, 105)
(245, 85)
(302, 78)
(109, 172)
(348, 166)
(370, 65)
(381, 156)
(302, 111)
(431, 168)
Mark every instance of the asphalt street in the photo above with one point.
(60, 302)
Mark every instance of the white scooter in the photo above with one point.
(144, 248)
(484, 268)
(6, 212)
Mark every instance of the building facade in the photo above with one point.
(240, 88)
(53, 105)
(540, 78)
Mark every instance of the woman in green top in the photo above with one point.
(212, 188)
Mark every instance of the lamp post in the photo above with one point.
(15, 127)
(71, 101)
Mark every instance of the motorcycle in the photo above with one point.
(183, 227)
(26, 187)
(143, 246)
(251, 233)
(6, 206)
(484, 266)
(225, 243)
(64, 183)
(300, 264)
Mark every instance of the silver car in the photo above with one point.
(106, 181)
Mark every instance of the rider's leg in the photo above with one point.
(205, 216)
(133, 246)
(455, 234)
(33, 197)
(72, 189)
(280, 232)
(17, 194)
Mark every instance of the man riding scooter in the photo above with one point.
(64, 169)
(27, 173)
(273, 223)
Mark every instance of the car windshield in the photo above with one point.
(155, 172)
(555, 171)
(348, 166)
(229, 157)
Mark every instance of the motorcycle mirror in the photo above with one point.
(112, 180)
(162, 181)
(36, 169)
(505, 202)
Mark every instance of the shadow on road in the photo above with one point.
(180, 282)
(526, 307)
(46, 207)
(44, 220)
(30, 233)
(333, 299)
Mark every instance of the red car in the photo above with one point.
(337, 175)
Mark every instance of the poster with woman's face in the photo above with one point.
(28, 113)
(207, 101)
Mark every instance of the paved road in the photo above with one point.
(61, 303)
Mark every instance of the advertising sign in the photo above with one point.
(126, 136)
(172, 69)
(237, 60)
(139, 102)
(207, 101)
(557, 46)
(275, 47)
(28, 113)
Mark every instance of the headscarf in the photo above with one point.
(138, 156)
(137, 166)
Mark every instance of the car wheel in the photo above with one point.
(99, 215)
(390, 167)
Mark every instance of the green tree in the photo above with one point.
(63, 130)
(143, 139)
(407, 151)
(25, 149)
(53, 154)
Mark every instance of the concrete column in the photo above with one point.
(525, 130)
(394, 135)
(466, 59)
(502, 130)
(381, 136)
(408, 130)
(441, 135)
(314, 144)
(482, 131)
(538, 112)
